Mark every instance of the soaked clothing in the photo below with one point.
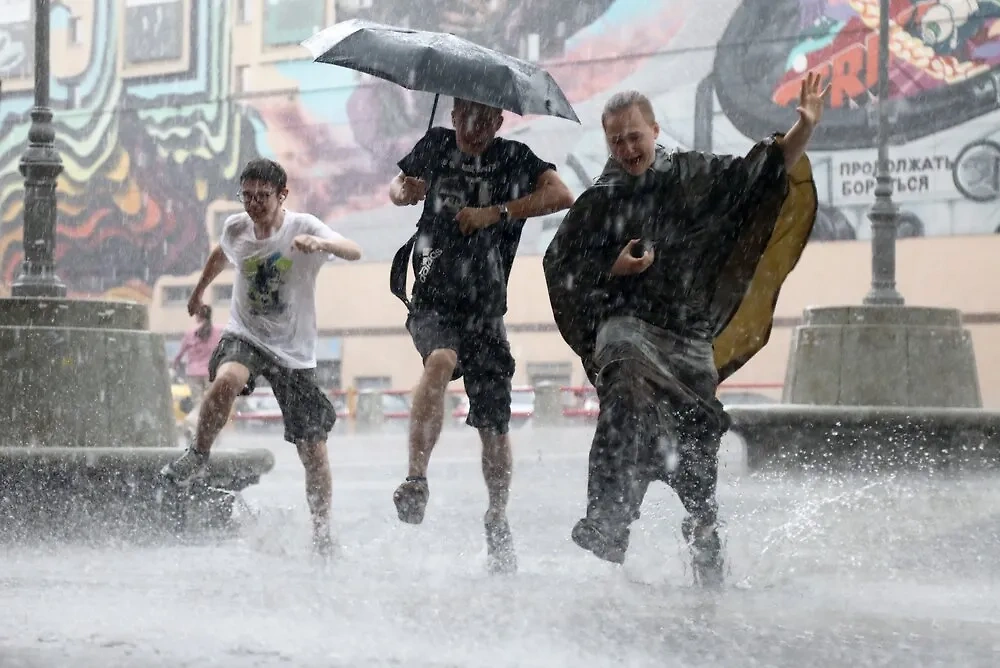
(306, 410)
(456, 273)
(484, 359)
(459, 293)
(726, 231)
(659, 420)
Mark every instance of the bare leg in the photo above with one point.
(426, 420)
(212, 417)
(218, 402)
(319, 488)
(498, 467)
(427, 413)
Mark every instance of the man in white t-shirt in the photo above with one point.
(271, 330)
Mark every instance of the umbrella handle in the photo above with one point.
(434, 108)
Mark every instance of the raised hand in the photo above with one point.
(812, 100)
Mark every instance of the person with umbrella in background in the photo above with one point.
(663, 277)
(477, 190)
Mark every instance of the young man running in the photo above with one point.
(271, 331)
(477, 190)
(663, 277)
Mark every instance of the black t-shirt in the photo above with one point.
(457, 273)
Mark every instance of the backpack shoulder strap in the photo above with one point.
(399, 269)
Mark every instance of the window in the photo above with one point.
(222, 293)
(530, 46)
(74, 36)
(153, 30)
(328, 374)
(244, 16)
(219, 219)
(17, 47)
(241, 79)
(288, 22)
(353, 5)
(550, 373)
(176, 294)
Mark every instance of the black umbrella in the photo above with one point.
(442, 64)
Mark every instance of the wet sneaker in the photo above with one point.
(598, 538)
(411, 499)
(706, 553)
(191, 466)
(500, 556)
(323, 546)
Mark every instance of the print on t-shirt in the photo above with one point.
(449, 196)
(265, 276)
(457, 272)
(453, 193)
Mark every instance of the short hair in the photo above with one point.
(625, 100)
(268, 171)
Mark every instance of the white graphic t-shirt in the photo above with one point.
(274, 295)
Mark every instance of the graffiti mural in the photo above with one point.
(361, 126)
(944, 88)
(141, 156)
(943, 54)
(158, 104)
(147, 156)
(17, 55)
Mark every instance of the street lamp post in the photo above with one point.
(40, 167)
(884, 214)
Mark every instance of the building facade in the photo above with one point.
(357, 312)
(159, 103)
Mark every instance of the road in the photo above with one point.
(889, 571)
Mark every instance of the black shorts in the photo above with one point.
(307, 412)
(484, 360)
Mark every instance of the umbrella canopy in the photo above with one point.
(442, 64)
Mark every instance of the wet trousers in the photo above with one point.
(659, 420)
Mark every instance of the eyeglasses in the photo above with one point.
(260, 196)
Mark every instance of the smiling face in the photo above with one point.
(631, 138)
(261, 199)
(476, 125)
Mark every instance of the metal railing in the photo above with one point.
(543, 404)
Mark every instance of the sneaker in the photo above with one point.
(706, 552)
(500, 556)
(411, 499)
(600, 539)
(191, 466)
(323, 546)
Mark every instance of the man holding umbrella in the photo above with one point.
(663, 277)
(477, 190)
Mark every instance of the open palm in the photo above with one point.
(812, 99)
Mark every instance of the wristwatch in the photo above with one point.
(504, 213)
